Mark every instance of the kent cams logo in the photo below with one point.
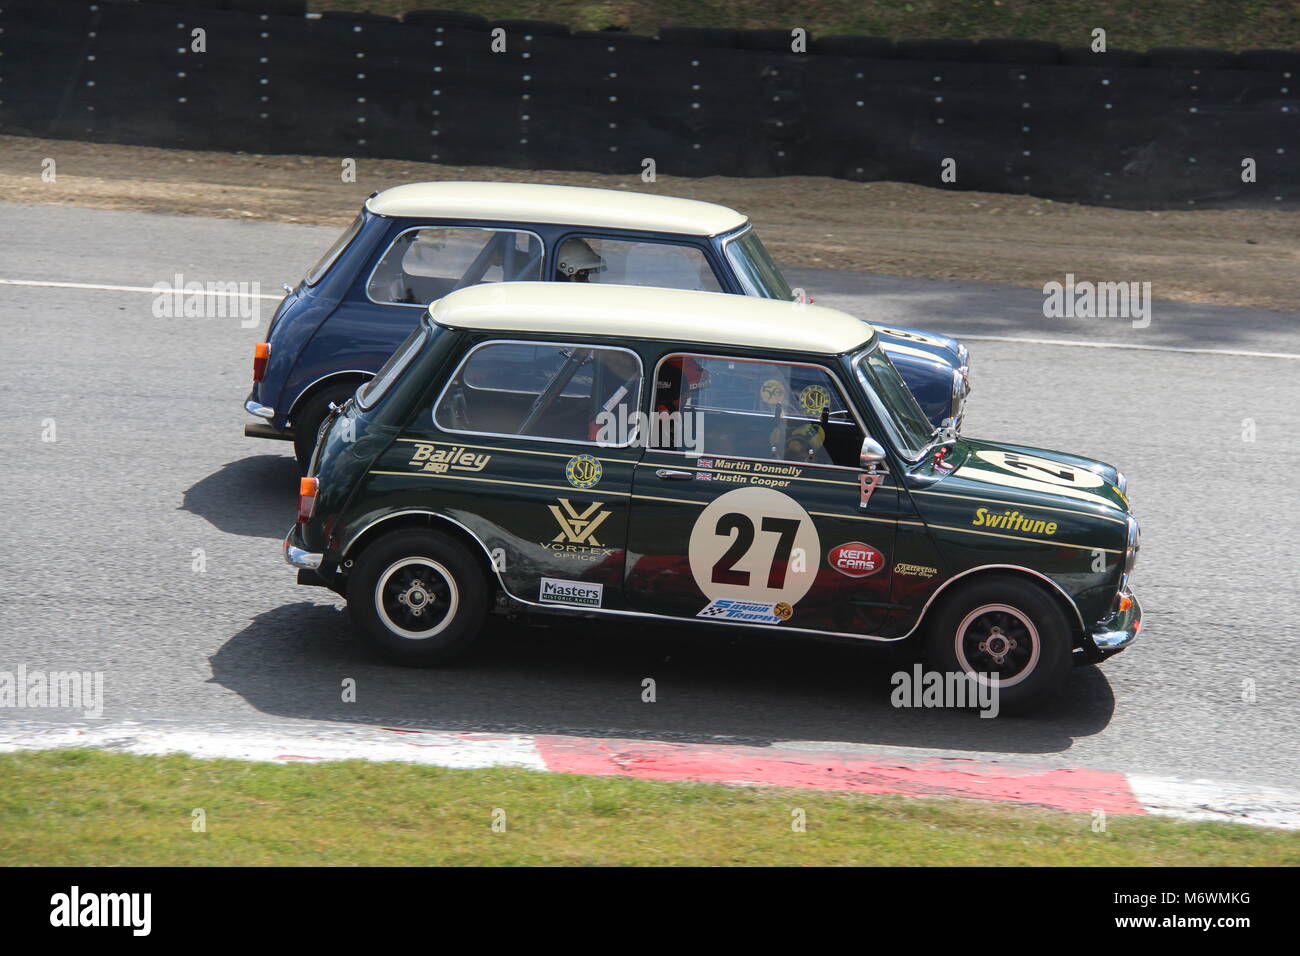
(578, 528)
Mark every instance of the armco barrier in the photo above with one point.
(1170, 127)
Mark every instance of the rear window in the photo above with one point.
(374, 390)
(315, 273)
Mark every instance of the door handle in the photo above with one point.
(670, 473)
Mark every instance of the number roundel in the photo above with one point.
(754, 544)
(1034, 468)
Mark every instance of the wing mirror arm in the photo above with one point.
(872, 460)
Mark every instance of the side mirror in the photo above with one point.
(872, 456)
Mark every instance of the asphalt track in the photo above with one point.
(101, 527)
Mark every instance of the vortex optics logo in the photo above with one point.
(583, 471)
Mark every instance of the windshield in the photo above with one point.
(894, 403)
(758, 273)
(374, 389)
(319, 269)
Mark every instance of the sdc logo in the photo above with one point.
(855, 559)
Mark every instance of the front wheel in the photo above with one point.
(1005, 632)
(418, 597)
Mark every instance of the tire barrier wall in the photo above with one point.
(1170, 128)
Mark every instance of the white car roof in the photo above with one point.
(561, 205)
(712, 318)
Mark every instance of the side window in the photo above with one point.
(746, 408)
(425, 264)
(663, 265)
(574, 393)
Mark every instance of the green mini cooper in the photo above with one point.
(690, 456)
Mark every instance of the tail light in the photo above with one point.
(307, 489)
(261, 352)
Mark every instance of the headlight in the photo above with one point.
(1121, 482)
(960, 389)
(1133, 545)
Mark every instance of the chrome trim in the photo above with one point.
(631, 443)
(1121, 482)
(300, 558)
(1132, 545)
(261, 411)
(1110, 640)
(293, 406)
(673, 618)
(541, 267)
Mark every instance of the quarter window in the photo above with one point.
(662, 265)
(746, 408)
(562, 392)
(425, 264)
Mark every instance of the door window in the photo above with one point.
(663, 265)
(559, 392)
(425, 264)
(746, 408)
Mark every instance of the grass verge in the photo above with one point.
(90, 808)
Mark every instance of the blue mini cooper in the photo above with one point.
(411, 245)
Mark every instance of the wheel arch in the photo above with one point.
(326, 381)
(419, 518)
(1078, 631)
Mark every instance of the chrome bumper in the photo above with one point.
(300, 558)
(1120, 629)
(261, 411)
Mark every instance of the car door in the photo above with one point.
(509, 451)
(750, 506)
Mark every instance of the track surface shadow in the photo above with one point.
(585, 678)
(254, 496)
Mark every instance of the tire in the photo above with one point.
(1035, 665)
(307, 421)
(418, 597)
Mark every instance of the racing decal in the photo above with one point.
(1012, 521)
(440, 459)
(756, 546)
(583, 471)
(914, 336)
(772, 392)
(578, 526)
(915, 570)
(751, 612)
(749, 472)
(572, 593)
(855, 559)
(815, 399)
(1041, 469)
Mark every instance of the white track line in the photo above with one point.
(153, 290)
(1126, 345)
(1064, 343)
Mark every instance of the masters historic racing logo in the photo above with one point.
(574, 593)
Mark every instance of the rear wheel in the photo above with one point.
(307, 421)
(418, 597)
(1006, 632)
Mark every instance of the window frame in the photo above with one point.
(450, 225)
(633, 441)
(845, 395)
(704, 248)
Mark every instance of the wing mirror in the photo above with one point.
(872, 456)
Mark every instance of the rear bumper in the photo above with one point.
(299, 558)
(1118, 631)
